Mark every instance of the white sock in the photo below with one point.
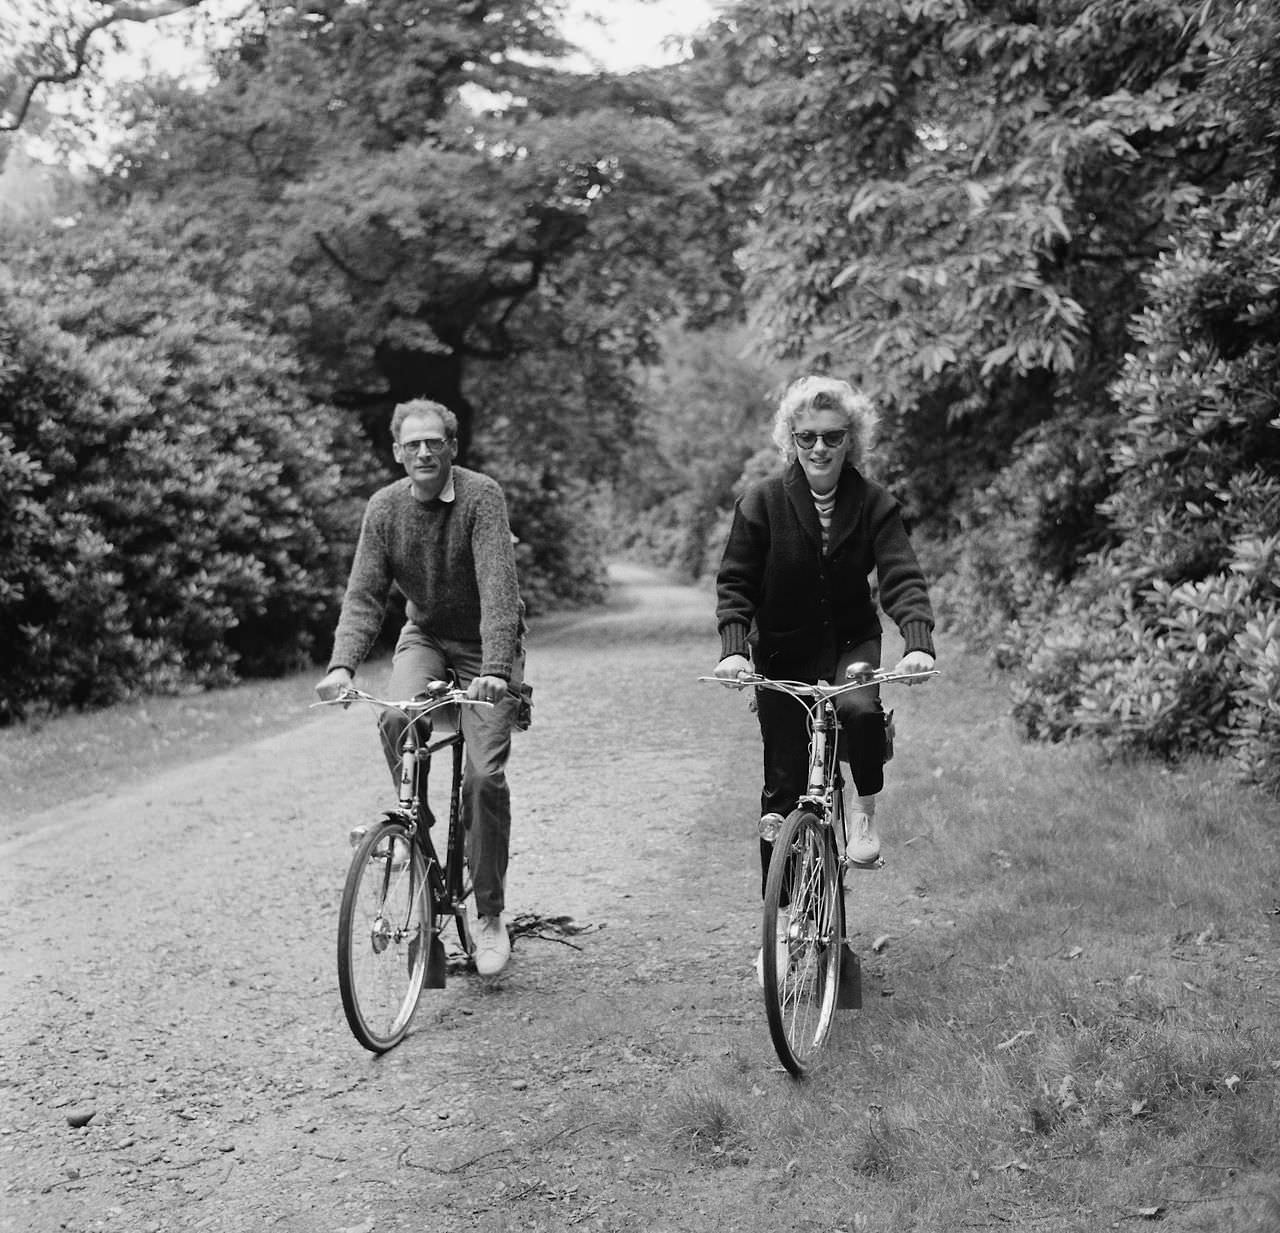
(867, 804)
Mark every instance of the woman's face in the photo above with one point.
(822, 463)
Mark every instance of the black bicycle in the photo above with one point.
(399, 896)
(810, 969)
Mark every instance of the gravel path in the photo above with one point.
(168, 974)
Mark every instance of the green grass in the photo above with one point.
(1084, 1020)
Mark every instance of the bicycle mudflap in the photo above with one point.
(849, 991)
(437, 968)
(437, 962)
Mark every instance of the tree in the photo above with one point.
(52, 42)
(956, 202)
(416, 237)
(403, 232)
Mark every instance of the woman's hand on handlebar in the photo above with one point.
(732, 668)
(914, 662)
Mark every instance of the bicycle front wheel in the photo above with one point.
(803, 928)
(384, 935)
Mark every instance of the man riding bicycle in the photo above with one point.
(442, 536)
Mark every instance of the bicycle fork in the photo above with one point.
(825, 796)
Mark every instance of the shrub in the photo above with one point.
(177, 512)
(1169, 641)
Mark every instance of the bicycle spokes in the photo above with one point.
(384, 932)
(802, 906)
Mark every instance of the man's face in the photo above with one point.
(426, 454)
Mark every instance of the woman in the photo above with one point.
(793, 594)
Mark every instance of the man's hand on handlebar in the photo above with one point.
(732, 668)
(914, 662)
(330, 688)
(487, 689)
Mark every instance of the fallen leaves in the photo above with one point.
(1016, 1039)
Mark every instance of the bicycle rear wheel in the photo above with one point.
(802, 907)
(384, 935)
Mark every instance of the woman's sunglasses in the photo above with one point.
(833, 440)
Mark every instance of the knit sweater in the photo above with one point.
(796, 606)
(454, 561)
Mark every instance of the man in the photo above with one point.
(441, 535)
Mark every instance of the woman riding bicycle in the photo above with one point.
(793, 594)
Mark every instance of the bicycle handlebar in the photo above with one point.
(804, 690)
(436, 695)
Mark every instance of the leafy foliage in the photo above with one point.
(706, 411)
(178, 511)
(1170, 643)
(956, 204)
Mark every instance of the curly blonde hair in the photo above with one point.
(815, 393)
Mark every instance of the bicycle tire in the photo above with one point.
(803, 889)
(385, 927)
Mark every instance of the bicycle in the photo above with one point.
(810, 967)
(398, 897)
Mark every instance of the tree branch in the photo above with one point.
(350, 271)
(122, 11)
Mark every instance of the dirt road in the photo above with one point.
(168, 973)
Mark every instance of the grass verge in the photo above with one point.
(1074, 1024)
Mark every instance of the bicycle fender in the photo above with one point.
(849, 994)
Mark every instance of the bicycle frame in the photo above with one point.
(822, 794)
(445, 887)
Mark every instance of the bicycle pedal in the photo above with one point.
(878, 863)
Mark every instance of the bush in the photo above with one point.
(64, 619)
(1169, 642)
(178, 515)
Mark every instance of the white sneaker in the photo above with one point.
(864, 843)
(493, 945)
(783, 953)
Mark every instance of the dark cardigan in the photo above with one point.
(794, 607)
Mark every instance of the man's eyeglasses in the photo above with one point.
(833, 440)
(432, 445)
